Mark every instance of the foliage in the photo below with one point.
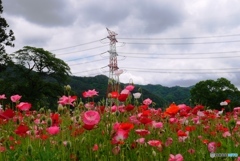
(6, 39)
(211, 93)
(170, 94)
(37, 74)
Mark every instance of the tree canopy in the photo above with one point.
(37, 75)
(210, 93)
(6, 38)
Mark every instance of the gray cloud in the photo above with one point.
(42, 12)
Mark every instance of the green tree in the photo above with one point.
(210, 93)
(6, 39)
(38, 75)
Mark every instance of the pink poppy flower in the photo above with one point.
(15, 98)
(3, 97)
(168, 142)
(142, 132)
(90, 93)
(114, 108)
(90, 105)
(67, 100)
(157, 124)
(24, 106)
(53, 130)
(140, 140)
(129, 87)
(226, 134)
(91, 117)
(177, 157)
(120, 136)
(212, 147)
(125, 91)
(147, 101)
(154, 143)
(95, 147)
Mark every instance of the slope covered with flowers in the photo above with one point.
(126, 127)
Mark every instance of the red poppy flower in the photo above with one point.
(181, 133)
(129, 107)
(145, 120)
(228, 101)
(126, 126)
(122, 97)
(22, 130)
(7, 114)
(114, 94)
(55, 119)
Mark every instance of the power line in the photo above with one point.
(87, 62)
(203, 53)
(219, 57)
(82, 50)
(190, 43)
(178, 72)
(149, 69)
(78, 45)
(170, 38)
(85, 57)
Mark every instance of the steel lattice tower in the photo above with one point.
(113, 83)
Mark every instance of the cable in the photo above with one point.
(197, 37)
(77, 45)
(85, 57)
(203, 53)
(82, 50)
(228, 57)
(197, 43)
(86, 62)
(237, 68)
(172, 72)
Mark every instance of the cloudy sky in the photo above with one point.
(167, 42)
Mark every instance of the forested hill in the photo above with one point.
(161, 95)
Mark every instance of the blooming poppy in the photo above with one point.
(126, 126)
(90, 118)
(53, 130)
(90, 93)
(22, 130)
(67, 100)
(154, 143)
(177, 157)
(137, 95)
(2, 97)
(172, 109)
(130, 87)
(15, 98)
(142, 132)
(120, 136)
(129, 107)
(114, 94)
(7, 114)
(24, 106)
(122, 97)
(147, 101)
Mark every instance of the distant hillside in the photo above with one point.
(161, 95)
(175, 94)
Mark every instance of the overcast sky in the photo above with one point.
(167, 42)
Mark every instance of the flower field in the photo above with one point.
(126, 127)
